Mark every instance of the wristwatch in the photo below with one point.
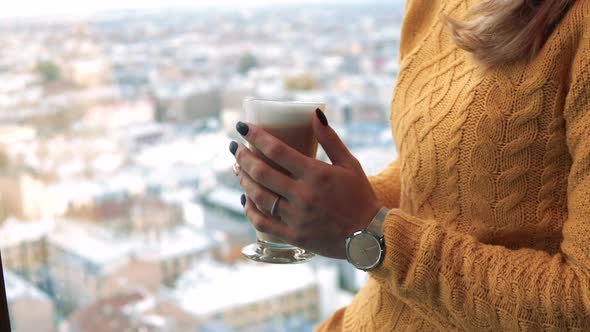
(364, 249)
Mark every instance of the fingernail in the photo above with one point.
(243, 200)
(233, 147)
(242, 128)
(321, 116)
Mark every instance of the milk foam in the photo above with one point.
(280, 113)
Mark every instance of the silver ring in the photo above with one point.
(273, 209)
(236, 169)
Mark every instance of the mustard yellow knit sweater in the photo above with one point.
(490, 227)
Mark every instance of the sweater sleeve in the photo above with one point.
(452, 277)
(386, 185)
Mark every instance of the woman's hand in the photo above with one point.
(320, 204)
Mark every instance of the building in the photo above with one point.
(86, 72)
(14, 83)
(173, 250)
(151, 214)
(128, 214)
(137, 136)
(132, 311)
(331, 296)
(15, 143)
(90, 262)
(223, 217)
(99, 199)
(247, 296)
(175, 164)
(235, 92)
(30, 309)
(22, 194)
(120, 114)
(24, 249)
(292, 324)
(185, 101)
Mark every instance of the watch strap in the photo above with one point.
(376, 225)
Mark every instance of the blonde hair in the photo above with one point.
(501, 31)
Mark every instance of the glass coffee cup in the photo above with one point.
(291, 122)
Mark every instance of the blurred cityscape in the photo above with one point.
(118, 207)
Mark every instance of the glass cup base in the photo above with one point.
(265, 253)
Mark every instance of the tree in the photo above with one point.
(246, 63)
(48, 70)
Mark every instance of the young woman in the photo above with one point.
(485, 216)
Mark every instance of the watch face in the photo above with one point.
(364, 251)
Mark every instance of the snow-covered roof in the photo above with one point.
(90, 243)
(16, 287)
(105, 249)
(178, 241)
(211, 287)
(13, 232)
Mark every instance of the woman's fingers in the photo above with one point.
(263, 198)
(274, 149)
(332, 144)
(263, 173)
(264, 223)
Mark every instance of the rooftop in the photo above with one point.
(14, 232)
(90, 242)
(211, 287)
(201, 151)
(17, 287)
(133, 311)
(104, 248)
(105, 315)
(174, 242)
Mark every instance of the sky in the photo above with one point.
(24, 8)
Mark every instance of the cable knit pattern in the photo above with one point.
(489, 228)
(453, 162)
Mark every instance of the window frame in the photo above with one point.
(4, 317)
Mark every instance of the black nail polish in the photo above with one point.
(321, 116)
(243, 200)
(233, 147)
(242, 128)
